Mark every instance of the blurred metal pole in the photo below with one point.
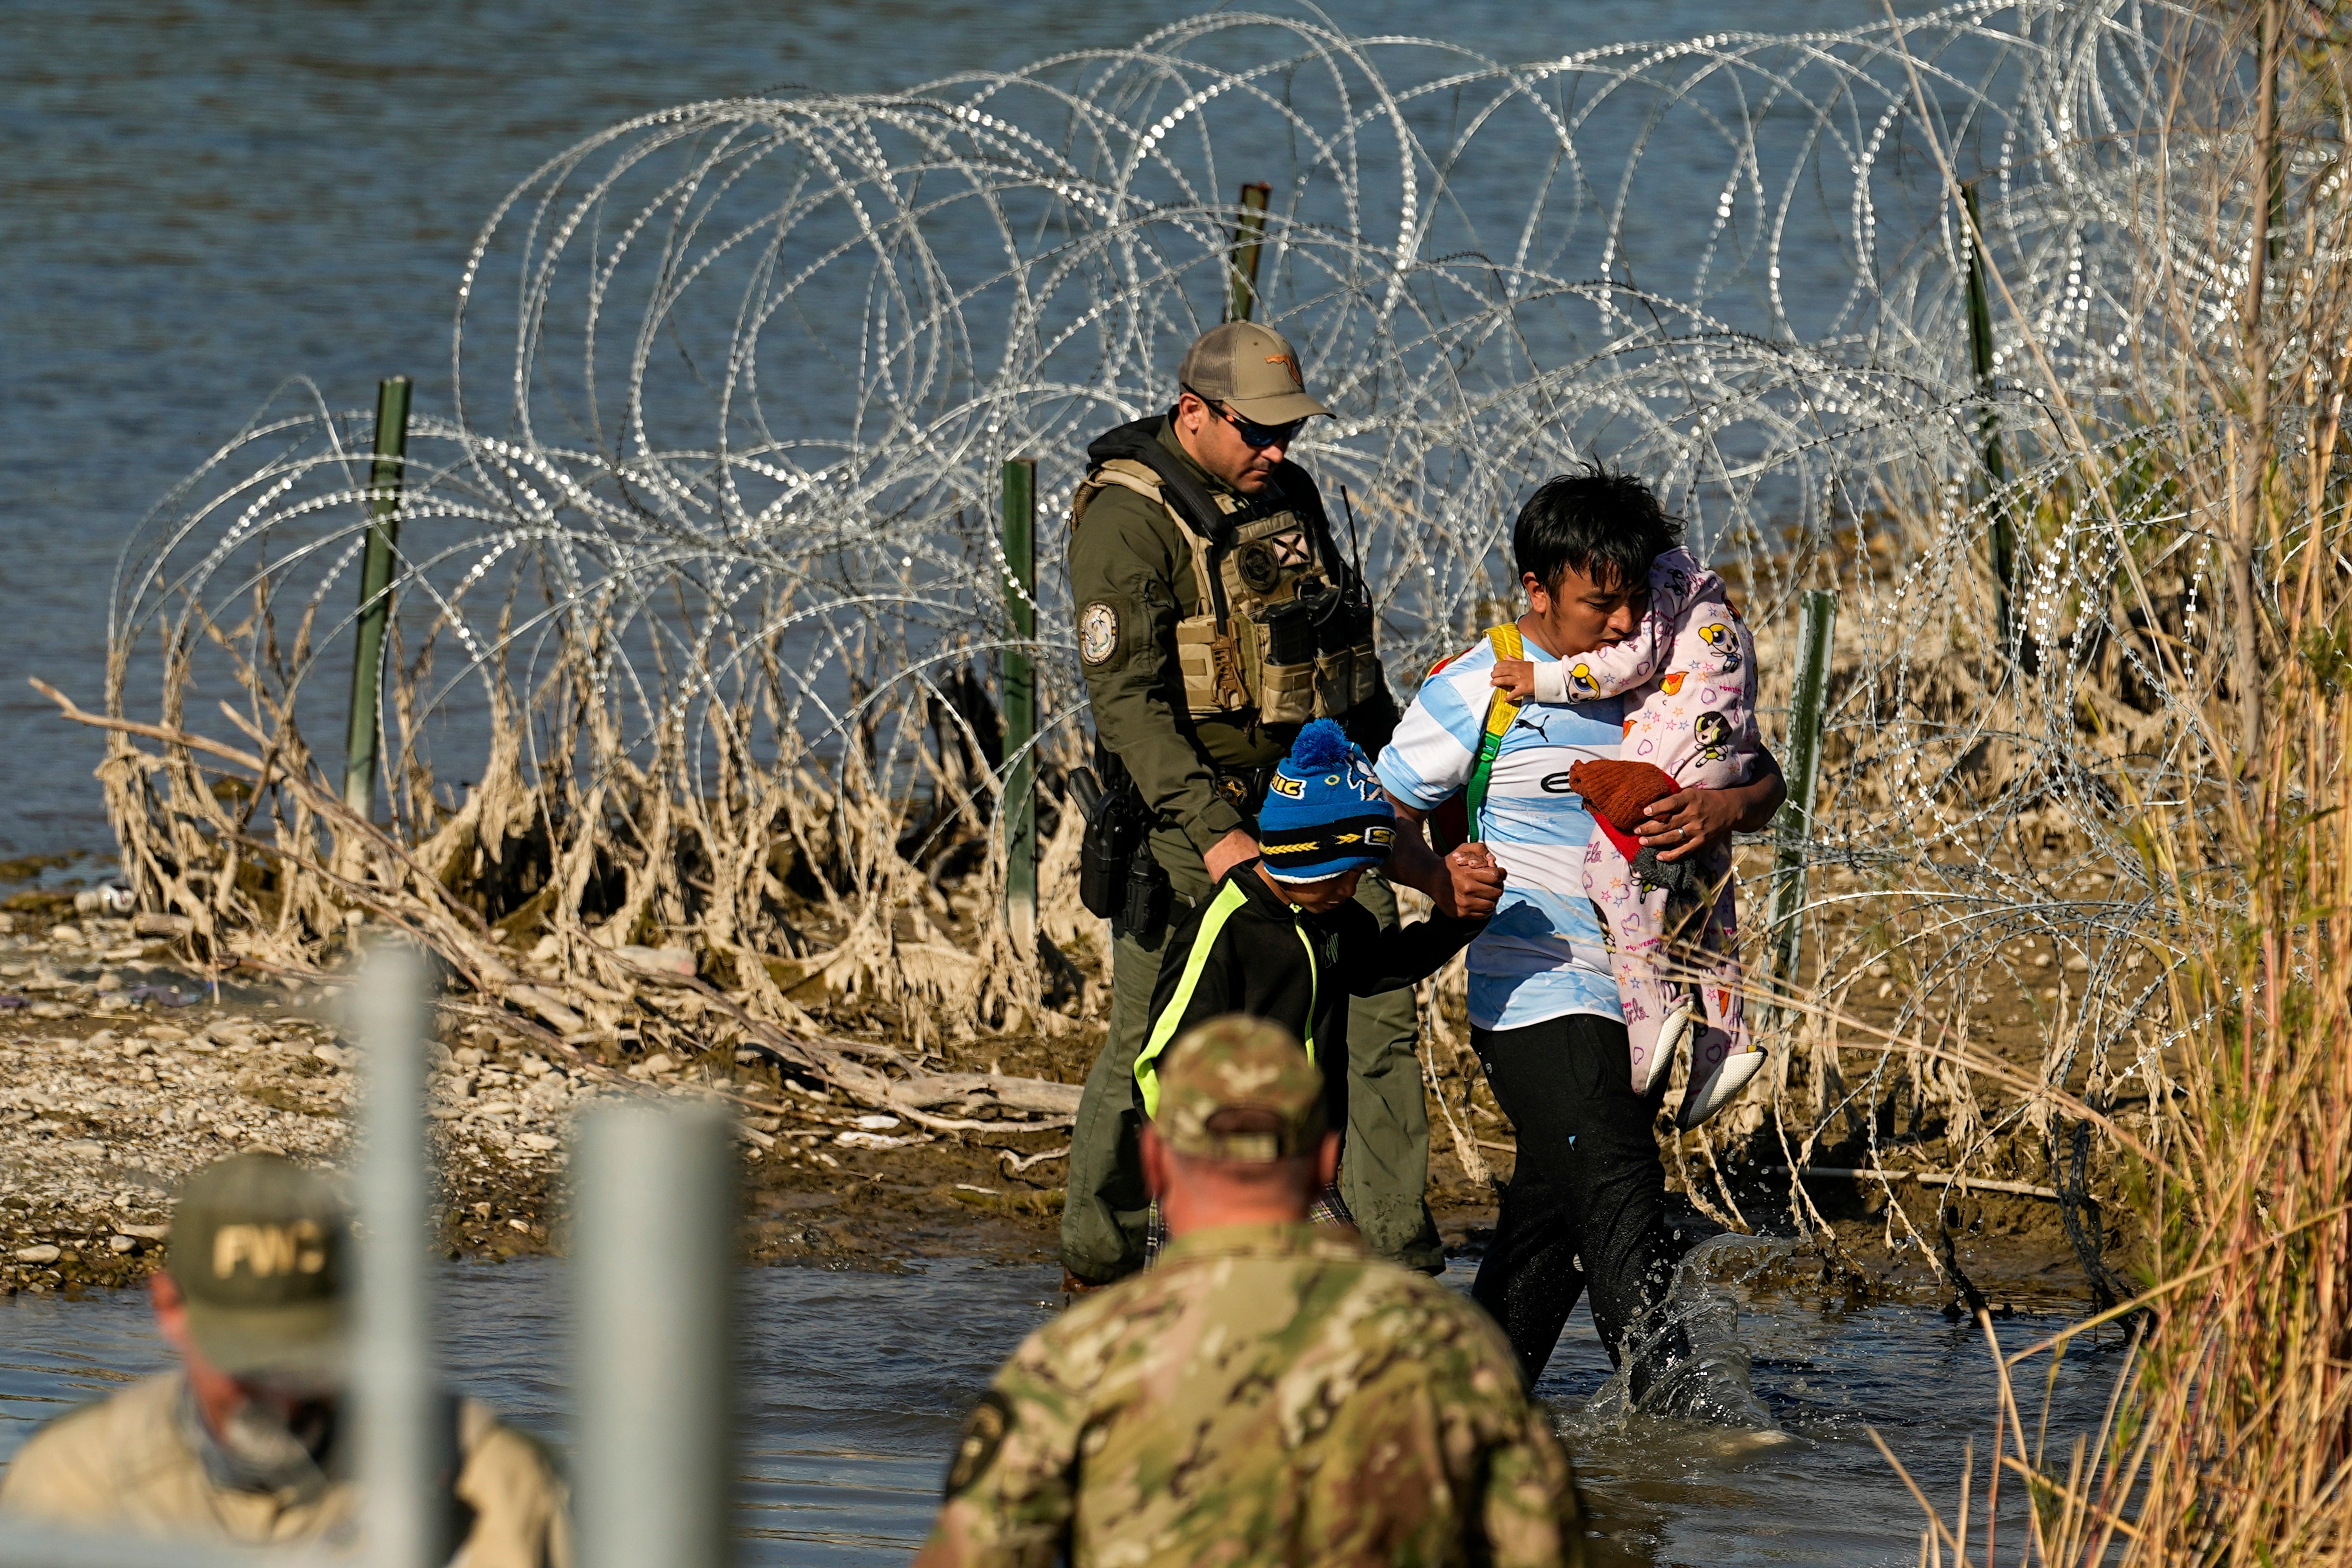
(1241, 270)
(1019, 812)
(1816, 630)
(404, 1422)
(375, 595)
(654, 1271)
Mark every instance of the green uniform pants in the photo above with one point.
(1384, 1172)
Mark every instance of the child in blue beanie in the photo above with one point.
(1283, 938)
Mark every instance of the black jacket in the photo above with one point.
(1258, 964)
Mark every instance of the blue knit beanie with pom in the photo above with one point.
(1324, 812)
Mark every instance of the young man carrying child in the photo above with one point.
(1587, 1198)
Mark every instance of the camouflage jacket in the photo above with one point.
(1268, 1395)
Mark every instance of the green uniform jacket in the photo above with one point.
(1126, 554)
(1268, 1395)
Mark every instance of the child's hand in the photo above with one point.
(1515, 677)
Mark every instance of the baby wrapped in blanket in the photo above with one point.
(1688, 675)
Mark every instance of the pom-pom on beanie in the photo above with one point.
(1324, 812)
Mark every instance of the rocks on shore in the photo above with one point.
(127, 1074)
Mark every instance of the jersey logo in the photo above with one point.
(984, 1435)
(1097, 633)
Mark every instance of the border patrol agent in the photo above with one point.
(1268, 1394)
(1215, 617)
(244, 1445)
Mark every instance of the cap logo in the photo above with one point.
(1290, 364)
(1283, 784)
(267, 1250)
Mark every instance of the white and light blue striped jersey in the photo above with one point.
(1542, 956)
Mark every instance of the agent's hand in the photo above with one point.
(1515, 677)
(1228, 852)
(1473, 883)
(1690, 821)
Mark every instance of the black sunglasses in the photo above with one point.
(1254, 434)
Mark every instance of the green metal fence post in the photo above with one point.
(2002, 544)
(1816, 630)
(1241, 261)
(375, 593)
(1019, 675)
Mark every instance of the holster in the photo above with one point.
(1118, 879)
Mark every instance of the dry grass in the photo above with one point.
(2231, 1433)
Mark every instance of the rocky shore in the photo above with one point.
(121, 1071)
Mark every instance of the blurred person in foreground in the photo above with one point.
(247, 1443)
(1270, 1393)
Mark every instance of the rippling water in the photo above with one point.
(200, 199)
(853, 1385)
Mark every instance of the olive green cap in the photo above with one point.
(1238, 1087)
(1250, 369)
(260, 1249)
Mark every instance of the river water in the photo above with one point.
(853, 1385)
(200, 199)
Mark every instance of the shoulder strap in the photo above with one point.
(1500, 711)
(1222, 907)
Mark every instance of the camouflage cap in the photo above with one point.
(1252, 370)
(259, 1247)
(1238, 1087)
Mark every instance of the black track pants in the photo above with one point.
(1587, 1203)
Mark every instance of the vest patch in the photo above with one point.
(1097, 632)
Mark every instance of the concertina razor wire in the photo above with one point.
(704, 558)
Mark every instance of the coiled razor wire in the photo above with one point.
(716, 502)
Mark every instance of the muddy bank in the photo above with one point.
(121, 1071)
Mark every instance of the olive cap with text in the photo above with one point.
(1252, 370)
(261, 1249)
(1238, 1087)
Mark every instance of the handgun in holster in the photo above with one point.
(1118, 879)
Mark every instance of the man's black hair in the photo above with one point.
(1601, 521)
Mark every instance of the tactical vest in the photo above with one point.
(1277, 633)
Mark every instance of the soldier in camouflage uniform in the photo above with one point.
(1269, 1392)
(1216, 615)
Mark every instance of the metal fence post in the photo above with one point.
(655, 1270)
(2001, 544)
(1816, 628)
(1018, 811)
(403, 1429)
(1241, 259)
(375, 593)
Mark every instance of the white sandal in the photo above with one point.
(1678, 1029)
(1718, 1087)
